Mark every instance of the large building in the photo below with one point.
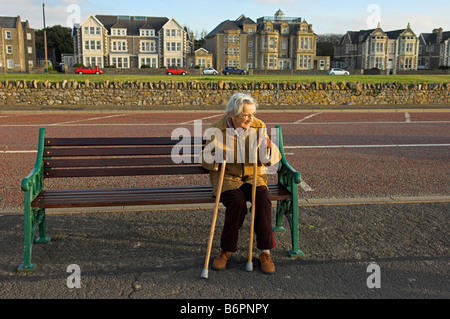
(271, 43)
(130, 42)
(434, 49)
(375, 48)
(17, 45)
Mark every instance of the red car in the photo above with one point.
(175, 70)
(88, 70)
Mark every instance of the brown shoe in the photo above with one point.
(221, 260)
(267, 265)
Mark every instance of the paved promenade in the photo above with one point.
(378, 233)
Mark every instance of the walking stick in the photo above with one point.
(249, 266)
(213, 225)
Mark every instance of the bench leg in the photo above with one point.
(28, 241)
(289, 209)
(32, 221)
(42, 239)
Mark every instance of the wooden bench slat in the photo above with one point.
(138, 196)
(120, 171)
(103, 151)
(104, 141)
(122, 161)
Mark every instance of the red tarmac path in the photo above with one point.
(341, 155)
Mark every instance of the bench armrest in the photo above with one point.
(33, 183)
(287, 175)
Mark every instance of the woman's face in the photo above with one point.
(244, 120)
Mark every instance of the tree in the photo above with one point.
(326, 42)
(58, 38)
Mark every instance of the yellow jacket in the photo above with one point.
(239, 166)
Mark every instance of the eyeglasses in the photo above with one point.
(248, 116)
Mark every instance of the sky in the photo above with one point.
(326, 16)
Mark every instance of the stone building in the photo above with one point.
(375, 48)
(271, 43)
(17, 45)
(434, 49)
(130, 42)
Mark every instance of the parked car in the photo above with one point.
(175, 70)
(233, 70)
(338, 71)
(89, 70)
(210, 71)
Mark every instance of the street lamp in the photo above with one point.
(45, 38)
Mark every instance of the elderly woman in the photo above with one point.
(240, 132)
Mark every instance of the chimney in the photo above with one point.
(438, 35)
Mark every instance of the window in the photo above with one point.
(10, 64)
(148, 46)
(30, 50)
(9, 49)
(147, 33)
(173, 46)
(29, 36)
(149, 61)
(250, 44)
(8, 35)
(120, 62)
(272, 43)
(119, 45)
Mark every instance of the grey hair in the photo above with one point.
(237, 101)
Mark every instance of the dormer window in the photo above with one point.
(118, 31)
(147, 33)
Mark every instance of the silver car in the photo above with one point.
(210, 71)
(338, 71)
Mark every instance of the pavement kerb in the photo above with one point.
(302, 202)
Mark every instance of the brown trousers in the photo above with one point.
(235, 202)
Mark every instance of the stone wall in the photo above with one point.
(194, 93)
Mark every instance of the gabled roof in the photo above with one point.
(238, 24)
(131, 24)
(432, 38)
(362, 35)
(8, 22)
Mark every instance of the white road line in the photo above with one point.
(89, 119)
(347, 123)
(363, 146)
(306, 187)
(301, 147)
(201, 119)
(407, 117)
(16, 152)
(306, 118)
(188, 123)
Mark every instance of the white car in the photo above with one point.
(210, 71)
(338, 71)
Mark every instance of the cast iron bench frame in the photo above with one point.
(129, 156)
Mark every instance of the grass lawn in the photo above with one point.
(406, 79)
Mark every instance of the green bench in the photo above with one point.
(129, 156)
